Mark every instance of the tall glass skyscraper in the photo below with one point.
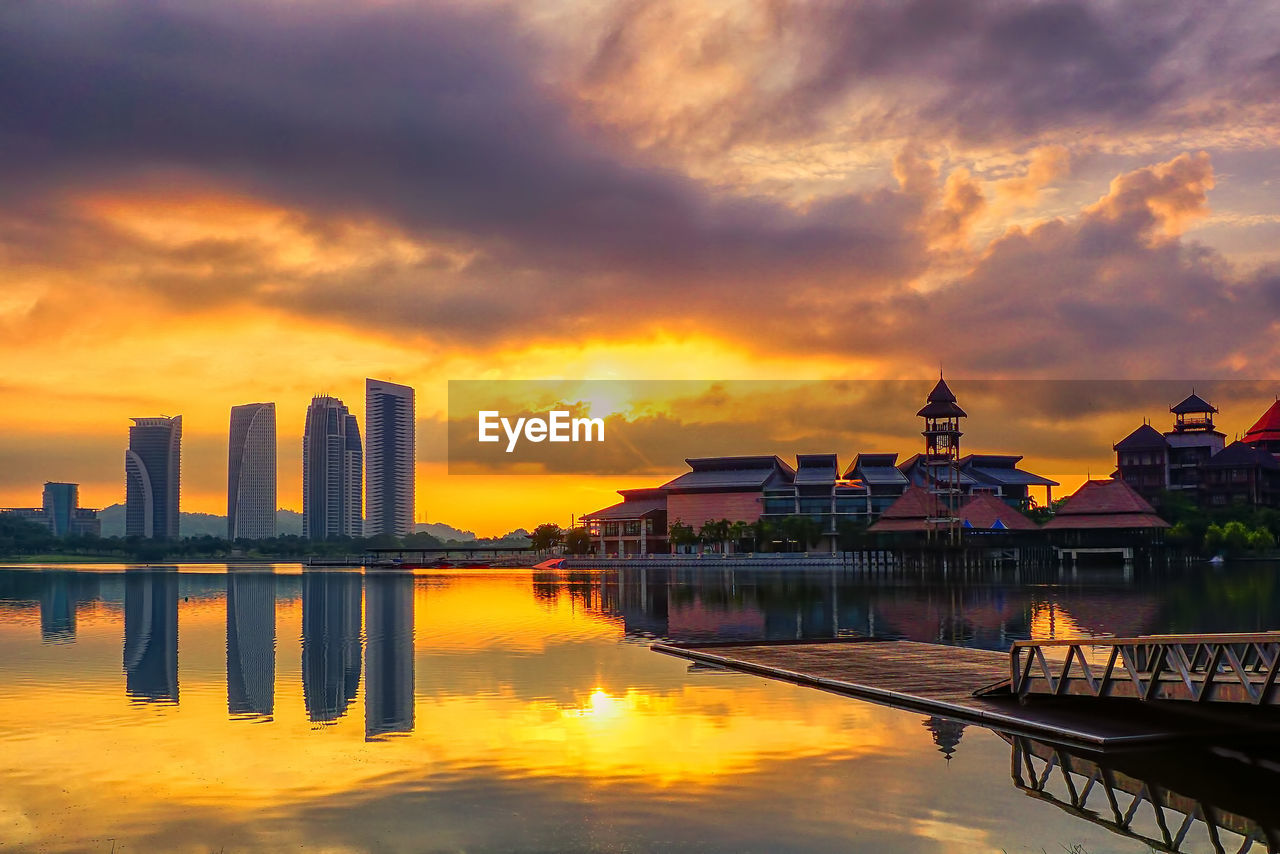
(61, 500)
(152, 473)
(332, 471)
(389, 433)
(251, 472)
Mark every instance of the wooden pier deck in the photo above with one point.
(942, 680)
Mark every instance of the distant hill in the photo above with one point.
(444, 532)
(198, 524)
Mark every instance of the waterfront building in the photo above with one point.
(60, 512)
(635, 525)
(1241, 475)
(389, 424)
(153, 470)
(251, 472)
(332, 471)
(724, 488)
(747, 489)
(885, 483)
(819, 492)
(1105, 515)
(1193, 460)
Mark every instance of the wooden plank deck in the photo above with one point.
(941, 680)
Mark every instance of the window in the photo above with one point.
(631, 528)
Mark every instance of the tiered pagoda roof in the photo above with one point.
(941, 403)
(1105, 504)
(1193, 403)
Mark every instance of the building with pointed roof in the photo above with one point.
(1106, 505)
(1265, 433)
(635, 525)
(916, 511)
(1154, 463)
(985, 512)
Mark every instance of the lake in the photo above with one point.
(235, 708)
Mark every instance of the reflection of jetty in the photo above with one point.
(969, 685)
(1218, 796)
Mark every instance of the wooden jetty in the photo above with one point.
(969, 685)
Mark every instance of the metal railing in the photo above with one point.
(1232, 668)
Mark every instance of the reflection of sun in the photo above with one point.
(601, 706)
(1050, 621)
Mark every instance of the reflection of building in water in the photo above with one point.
(640, 596)
(151, 634)
(58, 608)
(251, 643)
(946, 734)
(388, 663)
(330, 643)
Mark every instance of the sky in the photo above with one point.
(203, 205)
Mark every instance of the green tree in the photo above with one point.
(681, 534)
(1235, 537)
(763, 533)
(546, 536)
(737, 533)
(1261, 539)
(577, 541)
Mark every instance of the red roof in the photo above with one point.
(909, 512)
(1105, 504)
(1268, 426)
(982, 510)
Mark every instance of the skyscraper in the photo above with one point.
(61, 500)
(251, 472)
(152, 473)
(389, 432)
(332, 471)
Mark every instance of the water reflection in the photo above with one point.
(251, 644)
(1184, 800)
(987, 612)
(331, 622)
(388, 663)
(151, 635)
(509, 695)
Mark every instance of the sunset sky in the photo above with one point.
(203, 205)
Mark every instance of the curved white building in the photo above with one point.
(152, 474)
(251, 472)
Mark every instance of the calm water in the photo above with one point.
(232, 709)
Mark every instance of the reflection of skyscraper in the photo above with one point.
(151, 634)
(389, 455)
(251, 472)
(251, 643)
(57, 608)
(388, 663)
(330, 643)
(332, 471)
(152, 470)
